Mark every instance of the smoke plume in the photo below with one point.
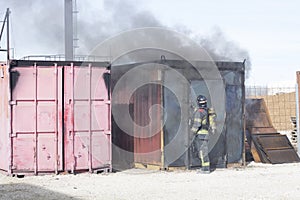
(223, 49)
(37, 27)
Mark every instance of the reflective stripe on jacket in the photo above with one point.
(200, 123)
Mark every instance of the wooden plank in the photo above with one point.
(255, 153)
(262, 130)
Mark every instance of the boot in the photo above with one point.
(205, 170)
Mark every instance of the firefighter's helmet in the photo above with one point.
(202, 101)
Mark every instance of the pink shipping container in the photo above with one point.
(55, 116)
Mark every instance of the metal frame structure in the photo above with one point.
(6, 21)
(233, 137)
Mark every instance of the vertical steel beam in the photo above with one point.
(110, 119)
(298, 110)
(188, 134)
(3, 25)
(69, 30)
(243, 113)
(35, 120)
(72, 119)
(6, 20)
(160, 94)
(10, 142)
(56, 119)
(90, 118)
(7, 29)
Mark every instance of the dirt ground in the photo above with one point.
(256, 181)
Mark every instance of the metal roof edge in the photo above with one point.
(24, 63)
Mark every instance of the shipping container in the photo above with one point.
(171, 144)
(55, 116)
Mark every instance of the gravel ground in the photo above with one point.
(256, 181)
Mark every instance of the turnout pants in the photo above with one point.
(201, 146)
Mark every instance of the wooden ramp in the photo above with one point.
(267, 145)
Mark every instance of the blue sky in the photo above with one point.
(268, 30)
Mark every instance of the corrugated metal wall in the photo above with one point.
(122, 142)
(87, 118)
(229, 142)
(5, 118)
(60, 117)
(36, 132)
(147, 144)
(137, 145)
(228, 148)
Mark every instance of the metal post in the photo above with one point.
(298, 110)
(3, 25)
(35, 121)
(161, 79)
(110, 119)
(6, 20)
(243, 114)
(69, 30)
(73, 120)
(90, 117)
(7, 29)
(56, 119)
(10, 111)
(188, 133)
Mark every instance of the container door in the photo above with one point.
(4, 118)
(217, 142)
(36, 119)
(87, 118)
(176, 117)
(147, 143)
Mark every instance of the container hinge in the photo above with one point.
(12, 103)
(2, 73)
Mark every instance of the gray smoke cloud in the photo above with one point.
(224, 49)
(114, 17)
(37, 27)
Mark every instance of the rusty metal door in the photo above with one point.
(36, 127)
(87, 118)
(147, 144)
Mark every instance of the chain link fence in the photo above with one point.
(281, 104)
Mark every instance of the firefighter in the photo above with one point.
(203, 125)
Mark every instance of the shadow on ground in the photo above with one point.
(17, 191)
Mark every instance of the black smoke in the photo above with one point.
(37, 27)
